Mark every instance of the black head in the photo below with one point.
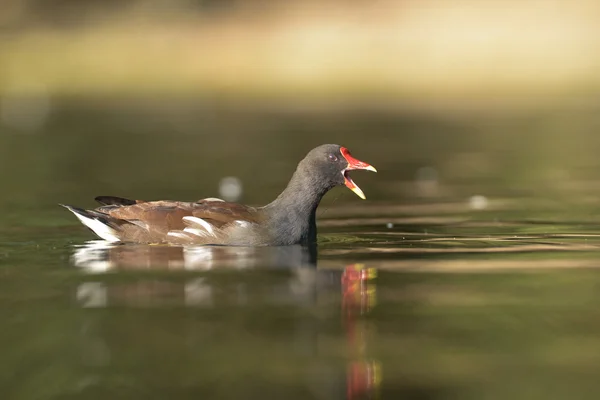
(329, 164)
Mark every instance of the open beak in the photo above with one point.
(353, 163)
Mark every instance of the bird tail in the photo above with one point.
(99, 223)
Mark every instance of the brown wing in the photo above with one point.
(152, 221)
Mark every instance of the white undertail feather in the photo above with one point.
(102, 230)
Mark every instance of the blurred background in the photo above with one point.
(165, 99)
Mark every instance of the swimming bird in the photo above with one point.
(290, 219)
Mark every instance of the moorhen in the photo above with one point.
(288, 220)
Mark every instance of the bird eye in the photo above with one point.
(332, 157)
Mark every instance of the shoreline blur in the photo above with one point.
(390, 55)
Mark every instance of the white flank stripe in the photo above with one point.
(104, 231)
(196, 232)
(199, 221)
(179, 235)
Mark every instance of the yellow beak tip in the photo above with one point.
(359, 193)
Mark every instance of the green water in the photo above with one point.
(472, 300)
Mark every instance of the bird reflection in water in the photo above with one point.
(301, 285)
(102, 256)
(358, 300)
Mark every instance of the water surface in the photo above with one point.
(485, 258)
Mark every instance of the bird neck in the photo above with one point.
(292, 215)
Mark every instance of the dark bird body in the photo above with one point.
(290, 219)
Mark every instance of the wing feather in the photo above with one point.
(163, 221)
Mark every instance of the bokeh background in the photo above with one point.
(166, 98)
